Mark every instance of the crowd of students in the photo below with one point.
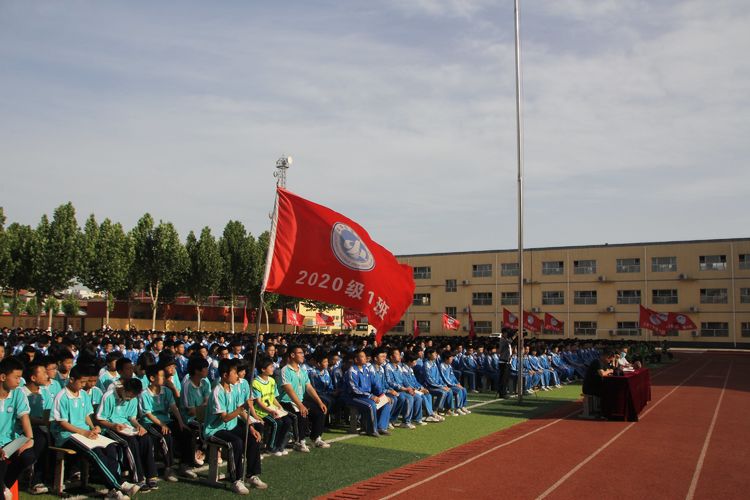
(161, 397)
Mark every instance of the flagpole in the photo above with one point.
(519, 156)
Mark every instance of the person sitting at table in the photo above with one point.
(593, 383)
(621, 359)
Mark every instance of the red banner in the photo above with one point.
(294, 318)
(351, 318)
(472, 332)
(450, 323)
(323, 319)
(552, 324)
(531, 322)
(245, 321)
(679, 321)
(416, 329)
(652, 320)
(510, 320)
(322, 255)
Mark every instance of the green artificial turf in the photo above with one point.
(353, 459)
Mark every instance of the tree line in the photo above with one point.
(151, 258)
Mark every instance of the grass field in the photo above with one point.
(354, 458)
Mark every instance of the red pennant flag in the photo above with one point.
(510, 320)
(294, 318)
(323, 319)
(450, 323)
(472, 332)
(245, 320)
(552, 324)
(679, 321)
(319, 254)
(351, 318)
(531, 322)
(652, 320)
(416, 329)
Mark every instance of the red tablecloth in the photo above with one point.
(624, 397)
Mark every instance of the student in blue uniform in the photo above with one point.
(71, 414)
(433, 381)
(14, 423)
(407, 367)
(360, 394)
(449, 379)
(396, 381)
(400, 400)
(470, 368)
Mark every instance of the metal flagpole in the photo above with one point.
(519, 155)
(282, 164)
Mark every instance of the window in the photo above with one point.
(553, 298)
(714, 296)
(584, 297)
(482, 327)
(509, 269)
(451, 285)
(744, 295)
(399, 327)
(663, 264)
(715, 329)
(481, 299)
(629, 265)
(584, 267)
(745, 261)
(421, 299)
(582, 328)
(628, 296)
(422, 273)
(712, 262)
(553, 267)
(481, 270)
(509, 298)
(450, 311)
(424, 326)
(628, 328)
(664, 296)
(745, 329)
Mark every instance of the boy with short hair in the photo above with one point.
(268, 408)
(14, 423)
(109, 373)
(195, 392)
(40, 406)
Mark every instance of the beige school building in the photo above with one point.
(594, 289)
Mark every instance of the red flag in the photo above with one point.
(472, 332)
(652, 320)
(553, 324)
(323, 319)
(294, 318)
(531, 322)
(245, 320)
(416, 329)
(510, 320)
(319, 254)
(351, 318)
(679, 321)
(450, 323)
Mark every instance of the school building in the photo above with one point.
(594, 289)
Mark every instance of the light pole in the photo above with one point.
(282, 165)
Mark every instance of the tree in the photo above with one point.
(133, 278)
(205, 270)
(6, 264)
(237, 249)
(57, 257)
(160, 258)
(108, 251)
(21, 243)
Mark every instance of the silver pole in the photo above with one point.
(519, 155)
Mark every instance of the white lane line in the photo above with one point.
(704, 450)
(608, 443)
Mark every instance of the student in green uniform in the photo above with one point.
(14, 423)
(269, 409)
(40, 405)
(71, 414)
(195, 391)
(222, 416)
(109, 374)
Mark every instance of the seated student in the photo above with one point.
(535, 367)
(50, 364)
(401, 403)
(450, 380)
(361, 394)
(279, 422)
(90, 377)
(514, 373)
(14, 423)
(565, 372)
(299, 397)
(407, 368)
(65, 361)
(433, 381)
(222, 425)
(71, 414)
(545, 363)
(109, 373)
(145, 360)
(40, 405)
(470, 368)
(180, 359)
(118, 413)
(396, 381)
(321, 380)
(160, 416)
(172, 380)
(195, 391)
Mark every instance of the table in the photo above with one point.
(625, 396)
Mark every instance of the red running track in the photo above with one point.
(692, 441)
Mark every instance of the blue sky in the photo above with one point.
(399, 114)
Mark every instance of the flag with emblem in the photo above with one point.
(552, 324)
(294, 318)
(322, 319)
(651, 320)
(351, 318)
(450, 323)
(532, 322)
(510, 320)
(319, 254)
(679, 321)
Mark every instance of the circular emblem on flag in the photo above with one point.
(680, 319)
(512, 318)
(655, 319)
(529, 319)
(349, 248)
(553, 322)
